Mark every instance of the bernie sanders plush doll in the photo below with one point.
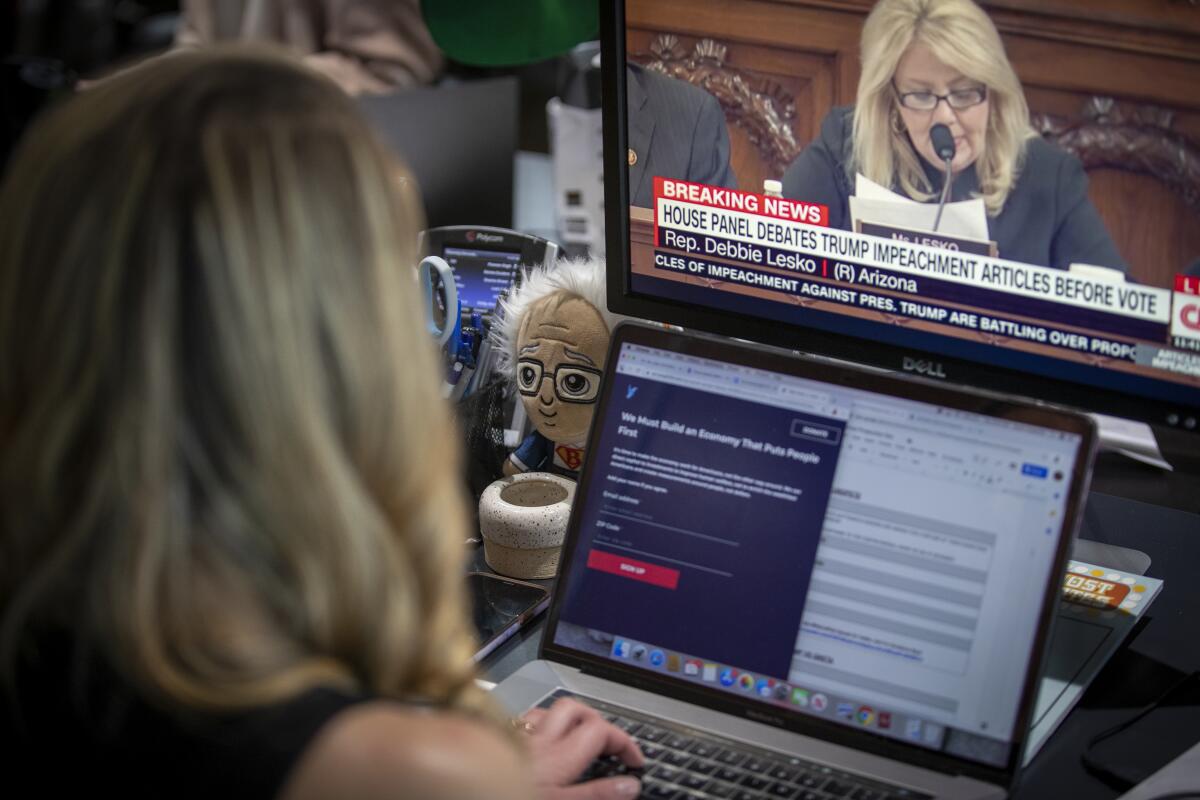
(552, 341)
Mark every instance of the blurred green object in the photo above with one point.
(505, 33)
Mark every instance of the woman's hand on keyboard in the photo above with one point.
(565, 740)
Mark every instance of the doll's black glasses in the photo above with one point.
(572, 384)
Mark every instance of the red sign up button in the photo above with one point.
(632, 568)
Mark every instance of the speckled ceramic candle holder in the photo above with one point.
(523, 519)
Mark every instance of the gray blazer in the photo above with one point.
(676, 130)
(1047, 219)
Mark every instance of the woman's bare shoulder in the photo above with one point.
(385, 750)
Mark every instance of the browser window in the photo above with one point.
(855, 556)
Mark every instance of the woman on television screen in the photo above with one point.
(931, 62)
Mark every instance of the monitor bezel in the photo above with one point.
(623, 300)
(827, 371)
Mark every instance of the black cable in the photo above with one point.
(1113, 778)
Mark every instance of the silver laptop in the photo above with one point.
(792, 578)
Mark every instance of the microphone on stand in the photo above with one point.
(943, 145)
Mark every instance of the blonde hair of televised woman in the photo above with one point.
(961, 35)
(224, 462)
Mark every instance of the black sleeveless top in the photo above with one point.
(74, 725)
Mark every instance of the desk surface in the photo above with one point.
(1124, 477)
(1161, 650)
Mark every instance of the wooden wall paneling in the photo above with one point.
(1154, 26)
(786, 82)
(1062, 103)
(1145, 180)
(770, 22)
(1144, 171)
(1152, 214)
(1156, 232)
(1093, 69)
(773, 24)
(805, 58)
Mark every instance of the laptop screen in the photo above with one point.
(868, 559)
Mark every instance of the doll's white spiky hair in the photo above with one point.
(581, 277)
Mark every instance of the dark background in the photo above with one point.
(743, 621)
(50, 45)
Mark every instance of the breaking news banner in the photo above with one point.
(970, 320)
(848, 253)
(781, 246)
(715, 197)
(919, 284)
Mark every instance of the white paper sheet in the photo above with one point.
(966, 219)
(1097, 272)
(1132, 439)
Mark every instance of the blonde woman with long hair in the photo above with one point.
(230, 526)
(929, 62)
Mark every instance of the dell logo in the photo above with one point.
(924, 367)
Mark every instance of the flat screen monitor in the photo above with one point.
(688, 243)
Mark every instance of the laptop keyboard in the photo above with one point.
(685, 763)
